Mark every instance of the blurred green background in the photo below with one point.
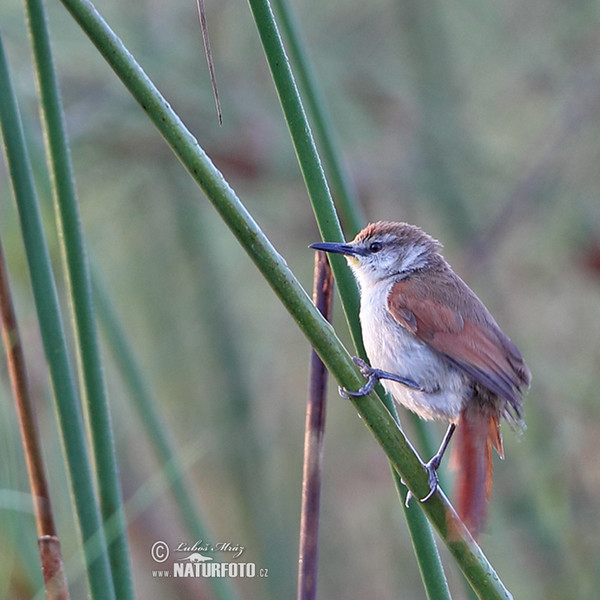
(478, 121)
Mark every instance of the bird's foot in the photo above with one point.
(434, 464)
(372, 376)
(431, 467)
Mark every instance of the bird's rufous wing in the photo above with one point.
(475, 344)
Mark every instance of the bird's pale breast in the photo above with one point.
(394, 349)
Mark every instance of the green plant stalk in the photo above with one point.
(88, 352)
(152, 421)
(352, 216)
(314, 178)
(309, 161)
(308, 157)
(47, 305)
(426, 552)
(321, 335)
(344, 193)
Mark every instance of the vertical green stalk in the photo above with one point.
(148, 412)
(53, 338)
(308, 158)
(426, 552)
(82, 306)
(346, 200)
(347, 204)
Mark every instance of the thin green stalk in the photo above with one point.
(47, 305)
(352, 216)
(154, 424)
(426, 552)
(344, 193)
(274, 268)
(82, 306)
(308, 157)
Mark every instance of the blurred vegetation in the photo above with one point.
(479, 122)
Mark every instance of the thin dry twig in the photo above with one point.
(313, 443)
(209, 59)
(53, 569)
(49, 545)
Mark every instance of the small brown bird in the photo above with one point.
(438, 351)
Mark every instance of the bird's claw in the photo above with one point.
(431, 467)
(368, 373)
(363, 366)
(365, 390)
(432, 478)
(372, 376)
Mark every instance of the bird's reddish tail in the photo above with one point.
(477, 431)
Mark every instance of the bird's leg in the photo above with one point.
(433, 465)
(373, 376)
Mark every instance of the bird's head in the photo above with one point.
(384, 249)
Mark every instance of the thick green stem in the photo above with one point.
(50, 319)
(88, 351)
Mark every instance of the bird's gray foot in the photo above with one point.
(372, 376)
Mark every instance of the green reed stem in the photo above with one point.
(344, 193)
(153, 422)
(77, 271)
(46, 300)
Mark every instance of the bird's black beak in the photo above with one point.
(346, 249)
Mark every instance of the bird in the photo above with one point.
(438, 351)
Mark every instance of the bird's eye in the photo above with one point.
(375, 247)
